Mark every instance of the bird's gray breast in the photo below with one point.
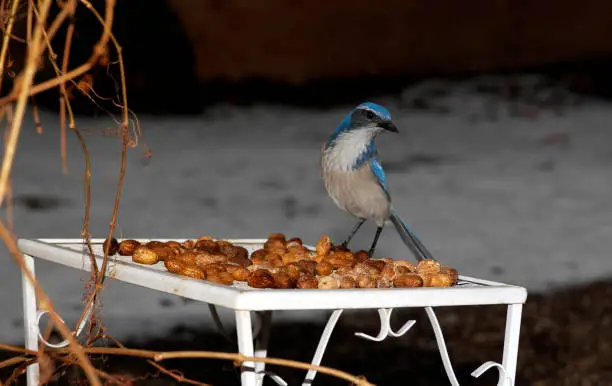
(358, 193)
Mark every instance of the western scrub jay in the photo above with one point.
(355, 179)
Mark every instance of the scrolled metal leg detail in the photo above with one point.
(275, 377)
(64, 343)
(450, 373)
(486, 366)
(385, 327)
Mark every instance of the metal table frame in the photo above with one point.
(245, 300)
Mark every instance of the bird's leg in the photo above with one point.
(355, 229)
(376, 236)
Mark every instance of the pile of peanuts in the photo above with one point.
(283, 263)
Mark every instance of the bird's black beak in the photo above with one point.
(389, 126)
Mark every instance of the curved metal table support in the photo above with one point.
(506, 370)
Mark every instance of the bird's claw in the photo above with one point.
(345, 244)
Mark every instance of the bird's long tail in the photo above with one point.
(410, 239)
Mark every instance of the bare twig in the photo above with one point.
(29, 21)
(5, 42)
(98, 51)
(67, 11)
(124, 136)
(171, 373)
(25, 84)
(12, 361)
(161, 356)
(17, 349)
(9, 191)
(158, 356)
(39, 128)
(64, 100)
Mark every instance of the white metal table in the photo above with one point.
(244, 300)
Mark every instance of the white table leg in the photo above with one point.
(244, 330)
(318, 357)
(261, 344)
(29, 319)
(511, 341)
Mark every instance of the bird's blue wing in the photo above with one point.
(379, 173)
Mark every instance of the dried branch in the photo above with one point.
(125, 139)
(39, 128)
(70, 6)
(29, 21)
(158, 356)
(171, 373)
(12, 361)
(26, 82)
(98, 51)
(161, 356)
(5, 43)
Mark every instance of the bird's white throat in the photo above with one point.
(347, 148)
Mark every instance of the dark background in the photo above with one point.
(182, 56)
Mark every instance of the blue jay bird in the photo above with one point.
(355, 179)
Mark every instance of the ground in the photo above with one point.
(510, 192)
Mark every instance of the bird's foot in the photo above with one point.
(371, 253)
(345, 244)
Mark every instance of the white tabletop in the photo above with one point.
(468, 291)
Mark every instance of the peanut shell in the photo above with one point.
(127, 247)
(235, 252)
(173, 265)
(329, 282)
(163, 251)
(282, 280)
(144, 255)
(404, 263)
(428, 266)
(450, 271)
(205, 258)
(292, 270)
(193, 272)
(347, 282)
(426, 278)
(224, 278)
(409, 280)
(323, 245)
(113, 246)
(261, 279)
(307, 282)
(206, 245)
(187, 258)
(324, 268)
(366, 281)
(441, 280)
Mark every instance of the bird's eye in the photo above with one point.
(369, 114)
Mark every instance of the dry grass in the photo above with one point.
(40, 32)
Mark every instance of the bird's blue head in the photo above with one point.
(351, 145)
(368, 118)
